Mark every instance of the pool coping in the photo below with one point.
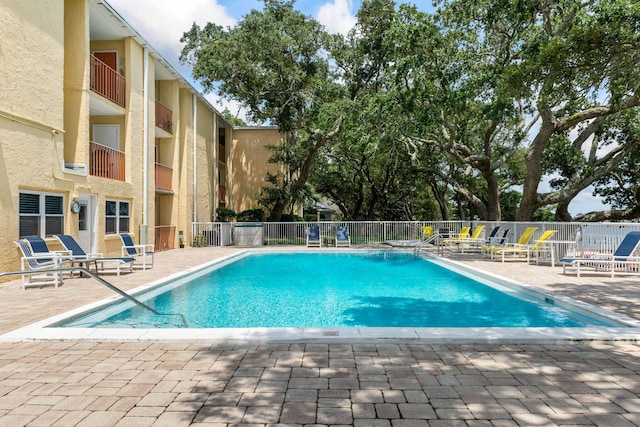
(481, 335)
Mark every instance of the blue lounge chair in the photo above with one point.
(622, 261)
(499, 240)
(342, 236)
(313, 236)
(37, 262)
(39, 246)
(80, 257)
(143, 254)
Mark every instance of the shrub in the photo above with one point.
(225, 214)
(250, 215)
(290, 218)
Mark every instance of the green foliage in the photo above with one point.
(233, 120)
(417, 116)
(224, 214)
(509, 201)
(250, 215)
(274, 62)
(545, 214)
(291, 218)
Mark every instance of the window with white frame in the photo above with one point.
(41, 214)
(116, 217)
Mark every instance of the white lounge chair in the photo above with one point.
(622, 261)
(102, 264)
(39, 262)
(143, 254)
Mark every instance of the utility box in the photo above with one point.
(248, 233)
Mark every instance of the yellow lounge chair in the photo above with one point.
(463, 234)
(460, 242)
(538, 247)
(523, 241)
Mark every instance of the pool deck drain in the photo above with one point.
(112, 382)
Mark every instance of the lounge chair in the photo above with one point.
(461, 242)
(80, 257)
(622, 261)
(37, 262)
(522, 242)
(499, 240)
(144, 253)
(313, 236)
(342, 236)
(427, 232)
(524, 252)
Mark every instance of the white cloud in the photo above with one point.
(162, 22)
(337, 17)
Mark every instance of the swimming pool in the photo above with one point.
(337, 290)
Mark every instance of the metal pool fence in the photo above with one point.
(600, 237)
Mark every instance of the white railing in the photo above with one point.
(601, 237)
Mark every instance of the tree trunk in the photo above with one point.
(277, 211)
(533, 159)
(494, 212)
(562, 212)
(442, 204)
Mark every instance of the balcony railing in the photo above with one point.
(164, 118)
(164, 177)
(222, 153)
(165, 237)
(106, 162)
(222, 193)
(107, 82)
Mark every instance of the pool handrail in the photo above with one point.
(102, 282)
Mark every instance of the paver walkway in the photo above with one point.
(315, 383)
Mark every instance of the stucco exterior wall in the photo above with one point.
(31, 110)
(32, 60)
(47, 114)
(250, 164)
(204, 162)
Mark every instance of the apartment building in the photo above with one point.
(99, 135)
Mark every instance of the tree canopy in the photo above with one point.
(461, 113)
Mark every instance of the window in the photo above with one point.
(41, 214)
(116, 217)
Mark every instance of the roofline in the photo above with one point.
(258, 127)
(142, 42)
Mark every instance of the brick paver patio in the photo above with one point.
(391, 384)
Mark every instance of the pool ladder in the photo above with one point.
(102, 282)
(425, 242)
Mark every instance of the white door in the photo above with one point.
(86, 222)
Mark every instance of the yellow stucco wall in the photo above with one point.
(76, 81)
(250, 164)
(46, 120)
(31, 106)
(32, 60)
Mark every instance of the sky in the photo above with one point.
(162, 23)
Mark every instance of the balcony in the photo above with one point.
(222, 153)
(222, 193)
(107, 82)
(164, 177)
(106, 162)
(164, 120)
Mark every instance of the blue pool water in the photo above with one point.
(381, 289)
